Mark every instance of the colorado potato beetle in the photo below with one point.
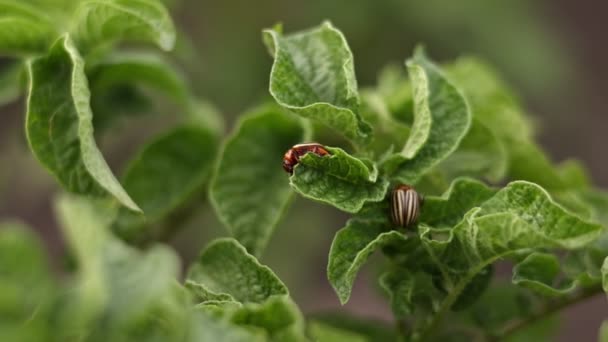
(405, 205)
(293, 155)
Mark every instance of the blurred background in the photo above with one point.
(551, 52)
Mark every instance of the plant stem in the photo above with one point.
(549, 308)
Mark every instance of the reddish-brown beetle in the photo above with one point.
(405, 205)
(292, 157)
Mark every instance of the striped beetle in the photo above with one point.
(293, 155)
(405, 205)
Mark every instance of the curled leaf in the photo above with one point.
(59, 125)
(340, 180)
(220, 261)
(436, 101)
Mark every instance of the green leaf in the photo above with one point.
(217, 266)
(448, 210)
(164, 177)
(340, 180)
(207, 328)
(411, 286)
(278, 316)
(396, 91)
(120, 293)
(480, 154)
(449, 116)
(534, 206)
(105, 21)
(529, 162)
(494, 105)
(388, 132)
(474, 289)
(410, 292)
(249, 189)
(313, 75)
(59, 125)
(518, 219)
(26, 290)
(353, 245)
(275, 319)
(539, 272)
(597, 201)
(256, 299)
(515, 305)
(421, 128)
(23, 29)
(490, 100)
(322, 332)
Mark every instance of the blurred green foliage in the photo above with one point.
(92, 64)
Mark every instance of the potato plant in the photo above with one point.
(454, 132)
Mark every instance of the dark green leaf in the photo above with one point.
(449, 115)
(449, 209)
(217, 266)
(313, 75)
(474, 289)
(164, 177)
(516, 305)
(23, 29)
(351, 248)
(410, 292)
(59, 125)
(250, 190)
(102, 21)
(340, 180)
(519, 218)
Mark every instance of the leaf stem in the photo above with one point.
(549, 308)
